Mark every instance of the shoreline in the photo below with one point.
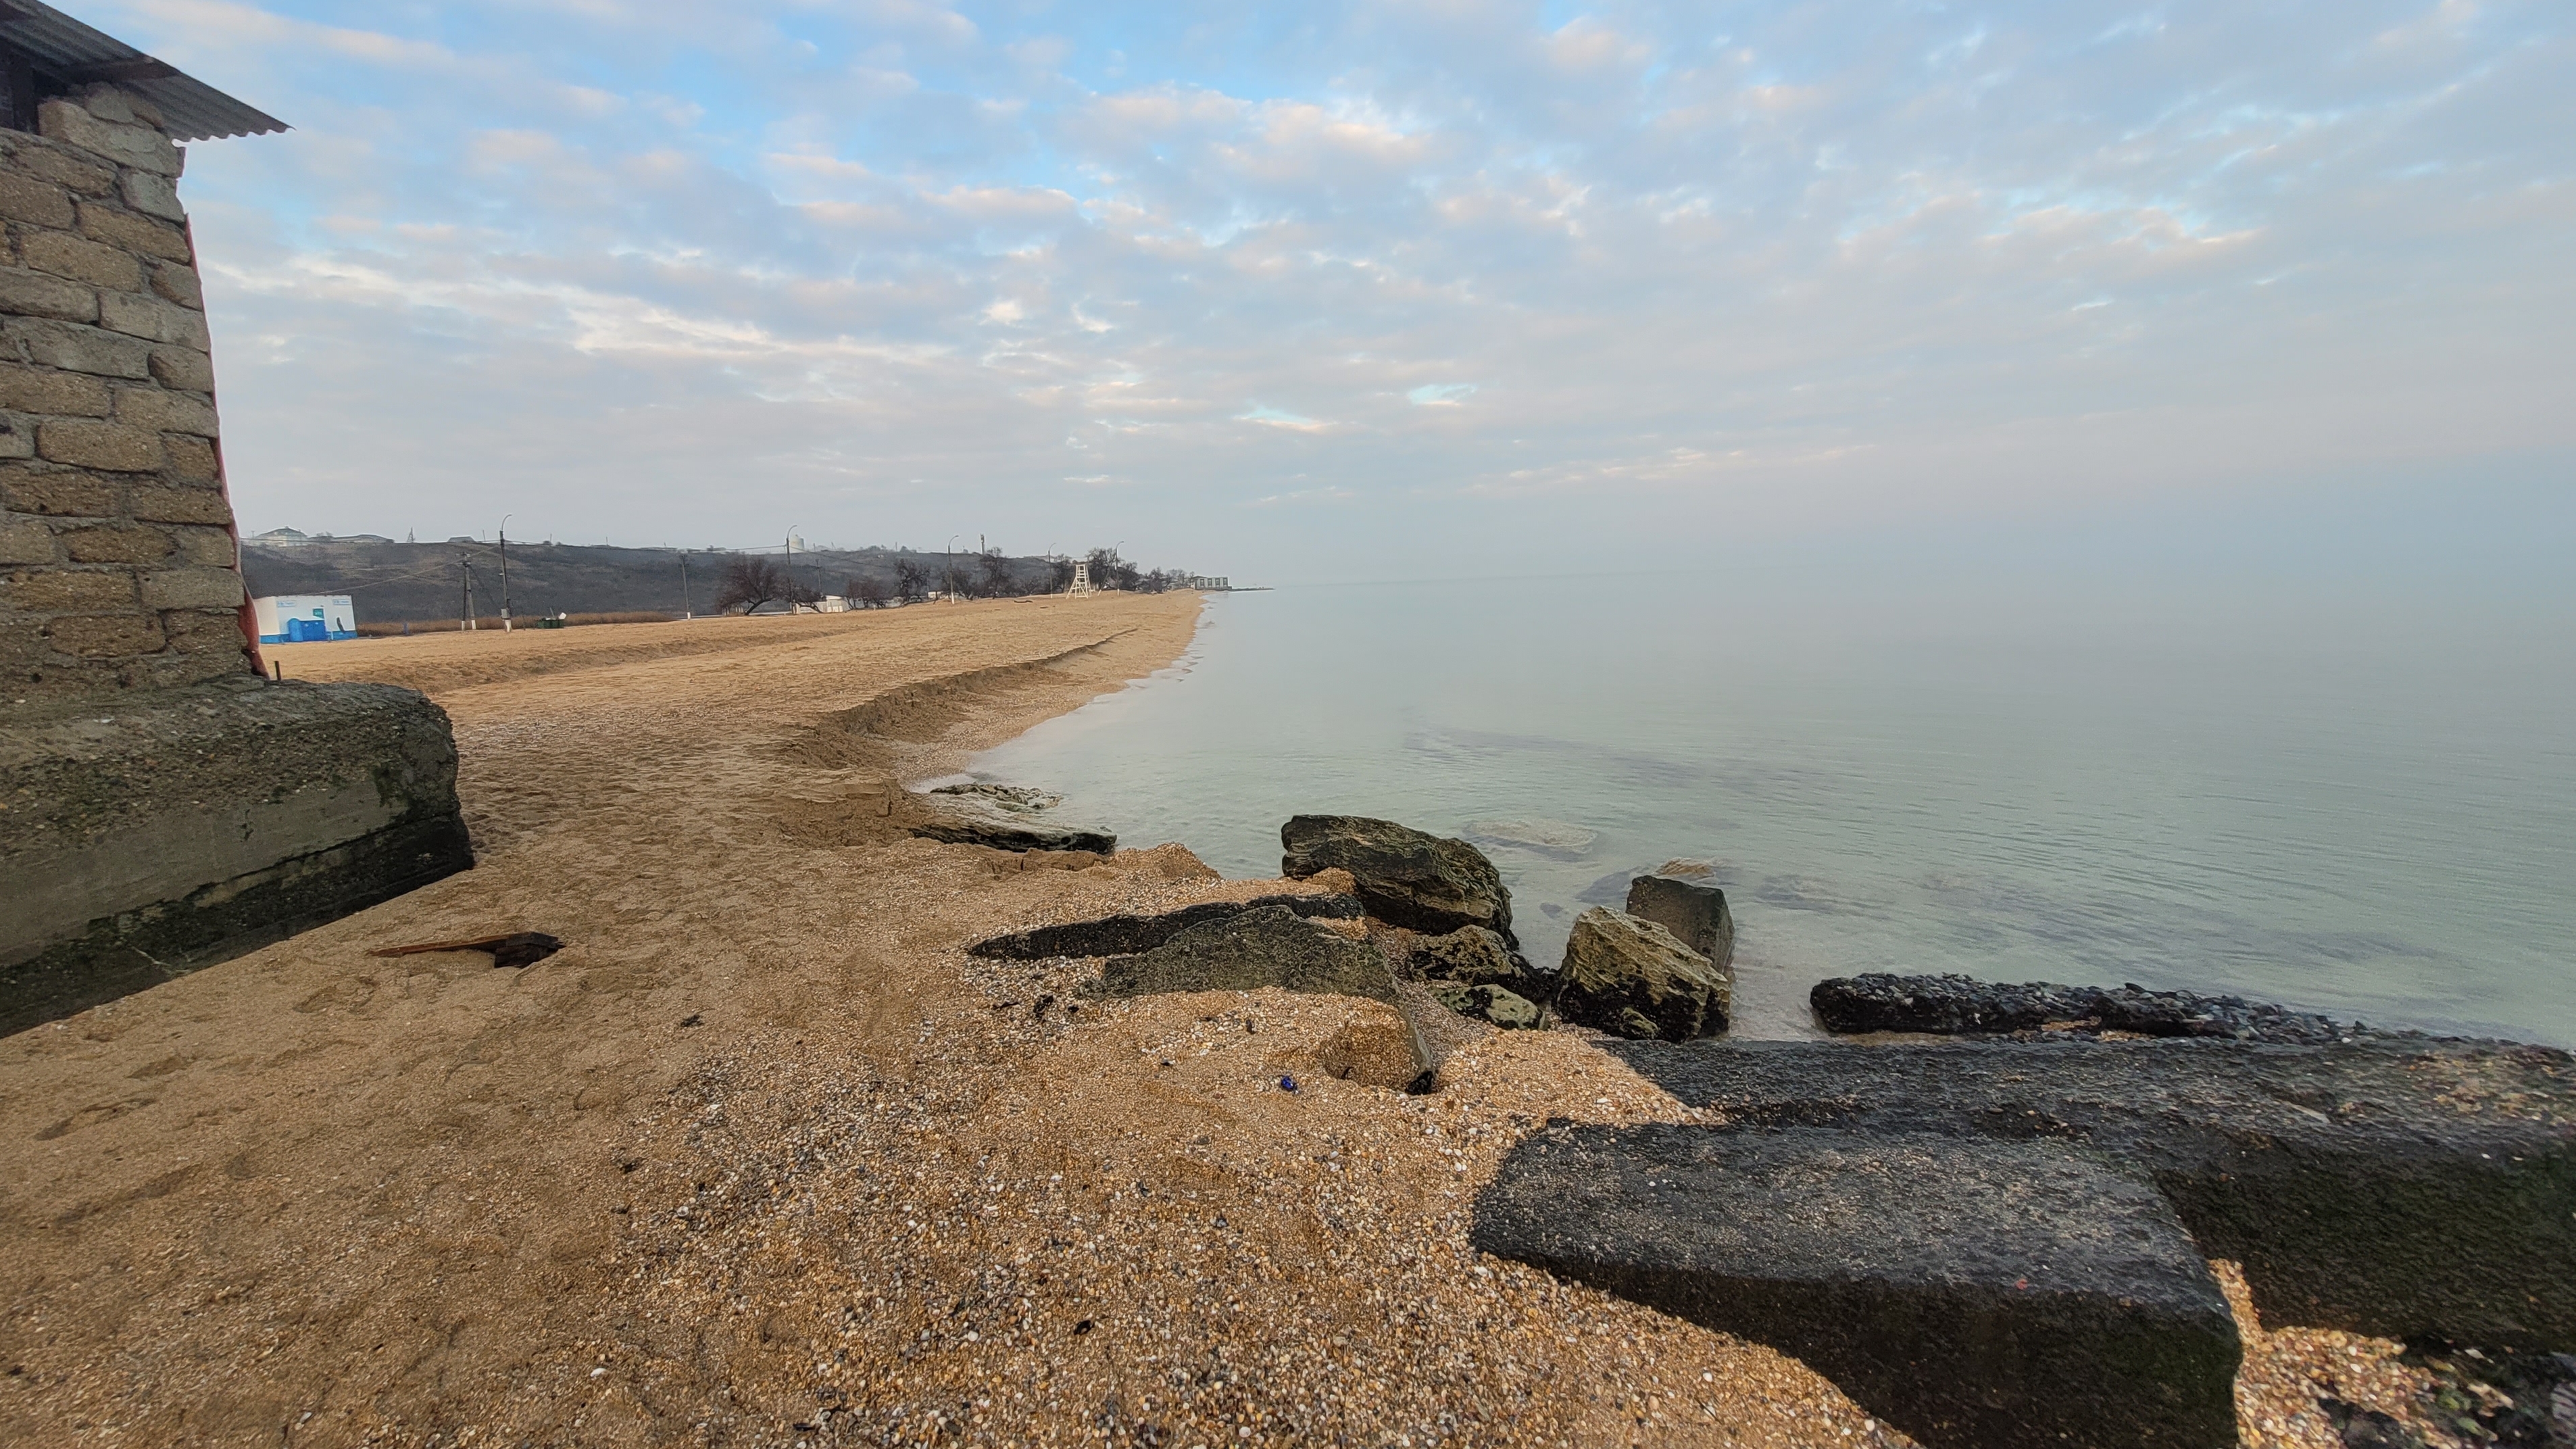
(762, 1156)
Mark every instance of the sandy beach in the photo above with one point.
(763, 1158)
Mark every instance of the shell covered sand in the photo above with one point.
(762, 1158)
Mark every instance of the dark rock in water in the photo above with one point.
(1407, 878)
(1610, 890)
(1501, 1006)
(1693, 910)
(1634, 978)
(1961, 1005)
(2406, 1189)
(1974, 1293)
(1269, 946)
(1124, 935)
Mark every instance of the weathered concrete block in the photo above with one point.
(48, 162)
(126, 144)
(25, 540)
(180, 285)
(108, 447)
(192, 459)
(155, 503)
(54, 394)
(116, 543)
(75, 347)
(1979, 1294)
(82, 260)
(36, 294)
(2403, 1189)
(34, 202)
(1693, 910)
(165, 412)
(201, 588)
(1270, 946)
(60, 492)
(105, 636)
(17, 435)
(155, 834)
(185, 368)
(119, 227)
(140, 314)
(71, 591)
(154, 194)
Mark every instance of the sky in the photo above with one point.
(1413, 286)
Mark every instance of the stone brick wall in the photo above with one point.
(118, 565)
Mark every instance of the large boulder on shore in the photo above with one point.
(1977, 1294)
(1266, 946)
(1408, 878)
(1694, 910)
(1015, 822)
(1633, 978)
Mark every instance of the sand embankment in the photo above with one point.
(762, 1157)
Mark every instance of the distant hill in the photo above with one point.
(391, 581)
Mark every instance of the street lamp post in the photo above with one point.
(687, 609)
(505, 571)
(952, 568)
(791, 568)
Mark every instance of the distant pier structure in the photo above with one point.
(1206, 583)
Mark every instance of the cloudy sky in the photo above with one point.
(1310, 288)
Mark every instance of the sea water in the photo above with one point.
(2237, 798)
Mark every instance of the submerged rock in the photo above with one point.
(1974, 1293)
(1953, 1005)
(1633, 978)
(1248, 950)
(1691, 907)
(1560, 838)
(1407, 878)
(1123, 935)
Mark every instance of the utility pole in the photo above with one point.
(951, 551)
(466, 618)
(791, 569)
(687, 610)
(505, 572)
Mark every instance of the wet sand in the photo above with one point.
(763, 1158)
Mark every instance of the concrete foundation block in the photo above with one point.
(148, 835)
(1977, 1294)
(2418, 1189)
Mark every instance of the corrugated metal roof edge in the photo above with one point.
(76, 52)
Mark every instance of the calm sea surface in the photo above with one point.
(2340, 820)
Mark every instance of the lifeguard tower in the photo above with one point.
(1081, 578)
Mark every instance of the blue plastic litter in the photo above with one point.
(1287, 1084)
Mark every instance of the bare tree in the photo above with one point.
(911, 583)
(996, 583)
(1059, 575)
(868, 593)
(1109, 571)
(751, 581)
